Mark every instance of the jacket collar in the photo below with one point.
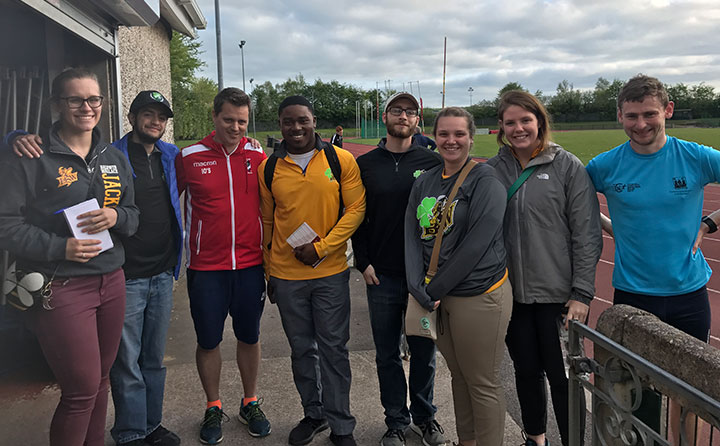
(383, 145)
(57, 145)
(544, 157)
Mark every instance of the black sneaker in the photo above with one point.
(305, 431)
(251, 414)
(211, 428)
(393, 437)
(430, 432)
(138, 442)
(342, 440)
(162, 437)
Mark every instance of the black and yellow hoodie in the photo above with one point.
(35, 191)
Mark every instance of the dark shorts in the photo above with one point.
(688, 312)
(214, 294)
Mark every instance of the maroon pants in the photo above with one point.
(80, 339)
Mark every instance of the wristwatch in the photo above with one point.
(710, 223)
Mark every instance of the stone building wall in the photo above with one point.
(144, 65)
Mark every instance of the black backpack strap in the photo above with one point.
(334, 162)
(268, 174)
(270, 171)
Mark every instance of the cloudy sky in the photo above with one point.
(533, 42)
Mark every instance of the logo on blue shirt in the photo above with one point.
(619, 187)
(679, 183)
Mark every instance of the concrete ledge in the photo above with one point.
(680, 354)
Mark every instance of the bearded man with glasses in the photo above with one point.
(388, 173)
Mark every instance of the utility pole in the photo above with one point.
(444, 70)
(422, 117)
(218, 45)
(377, 103)
(252, 98)
(470, 90)
(242, 57)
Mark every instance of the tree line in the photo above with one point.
(335, 102)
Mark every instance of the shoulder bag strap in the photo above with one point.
(519, 182)
(432, 268)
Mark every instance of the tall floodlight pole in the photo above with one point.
(252, 90)
(470, 90)
(444, 70)
(422, 116)
(218, 45)
(377, 103)
(242, 57)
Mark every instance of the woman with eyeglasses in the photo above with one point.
(78, 324)
(553, 240)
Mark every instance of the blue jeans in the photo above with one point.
(137, 377)
(387, 303)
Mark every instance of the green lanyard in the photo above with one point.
(519, 182)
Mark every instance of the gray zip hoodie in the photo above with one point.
(552, 227)
(472, 254)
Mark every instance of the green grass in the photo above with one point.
(585, 144)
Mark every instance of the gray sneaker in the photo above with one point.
(393, 437)
(430, 432)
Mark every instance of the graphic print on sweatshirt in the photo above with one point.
(429, 212)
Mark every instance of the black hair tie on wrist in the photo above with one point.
(710, 223)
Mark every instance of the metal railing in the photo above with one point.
(619, 388)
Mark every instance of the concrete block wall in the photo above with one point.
(144, 65)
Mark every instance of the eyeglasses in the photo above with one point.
(77, 102)
(397, 111)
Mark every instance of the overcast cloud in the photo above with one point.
(535, 43)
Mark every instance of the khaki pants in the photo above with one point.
(471, 338)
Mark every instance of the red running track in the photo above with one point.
(603, 281)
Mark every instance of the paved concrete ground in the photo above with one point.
(28, 398)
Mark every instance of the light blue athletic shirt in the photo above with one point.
(655, 204)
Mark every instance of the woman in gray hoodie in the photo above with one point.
(553, 241)
(470, 289)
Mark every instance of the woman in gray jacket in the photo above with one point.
(553, 241)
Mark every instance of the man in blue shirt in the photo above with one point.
(654, 188)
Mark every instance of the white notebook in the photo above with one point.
(71, 215)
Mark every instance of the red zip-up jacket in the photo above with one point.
(223, 228)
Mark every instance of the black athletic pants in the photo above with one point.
(534, 345)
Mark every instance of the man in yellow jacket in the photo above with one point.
(303, 192)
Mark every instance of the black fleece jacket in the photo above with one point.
(388, 178)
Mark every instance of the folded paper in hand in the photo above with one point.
(303, 235)
(71, 215)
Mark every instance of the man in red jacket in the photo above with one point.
(224, 252)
